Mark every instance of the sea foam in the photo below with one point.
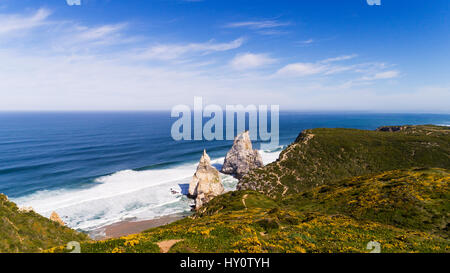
(126, 195)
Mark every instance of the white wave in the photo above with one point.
(269, 156)
(125, 195)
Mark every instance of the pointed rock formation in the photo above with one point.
(55, 218)
(205, 183)
(242, 158)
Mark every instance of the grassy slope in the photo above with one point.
(327, 155)
(30, 232)
(334, 190)
(340, 217)
(416, 199)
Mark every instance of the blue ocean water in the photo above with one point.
(98, 168)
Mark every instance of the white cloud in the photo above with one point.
(41, 77)
(301, 69)
(320, 67)
(173, 51)
(307, 42)
(258, 24)
(12, 23)
(73, 2)
(386, 75)
(373, 71)
(101, 32)
(250, 60)
(339, 58)
(36, 29)
(76, 38)
(374, 76)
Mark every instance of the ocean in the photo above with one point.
(98, 168)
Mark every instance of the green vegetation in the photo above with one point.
(403, 210)
(332, 190)
(320, 156)
(30, 232)
(415, 199)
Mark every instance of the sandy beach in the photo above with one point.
(125, 228)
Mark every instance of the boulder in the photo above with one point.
(205, 183)
(242, 158)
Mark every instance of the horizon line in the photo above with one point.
(281, 111)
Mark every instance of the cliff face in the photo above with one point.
(205, 183)
(321, 156)
(242, 158)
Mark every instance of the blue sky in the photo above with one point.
(152, 55)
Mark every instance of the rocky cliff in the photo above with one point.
(242, 158)
(205, 183)
(320, 156)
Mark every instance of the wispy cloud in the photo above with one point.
(73, 65)
(84, 38)
(331, 66)
(306, 42)
(301, 69)
(263, 27)
(11, 23)
(174, 51)
(339, 58)
(321, 67)
(383, 75)
(37, 29)
(251, 61)
(97, 33)
(258, 24)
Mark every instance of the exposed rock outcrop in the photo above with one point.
(26, 209)
(205, 183)
(392, 128)
(242, 158)
(55, 218)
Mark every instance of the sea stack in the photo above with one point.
(55, 218)
(205, 183)
(242, 158)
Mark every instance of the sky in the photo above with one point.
(321, 55)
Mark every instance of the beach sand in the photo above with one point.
(125, 228)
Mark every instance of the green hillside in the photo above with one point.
(320, 156)
(416, 199)
(29, 231)
(404, 210)
(332, 190)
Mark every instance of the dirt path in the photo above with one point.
(165, 246)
